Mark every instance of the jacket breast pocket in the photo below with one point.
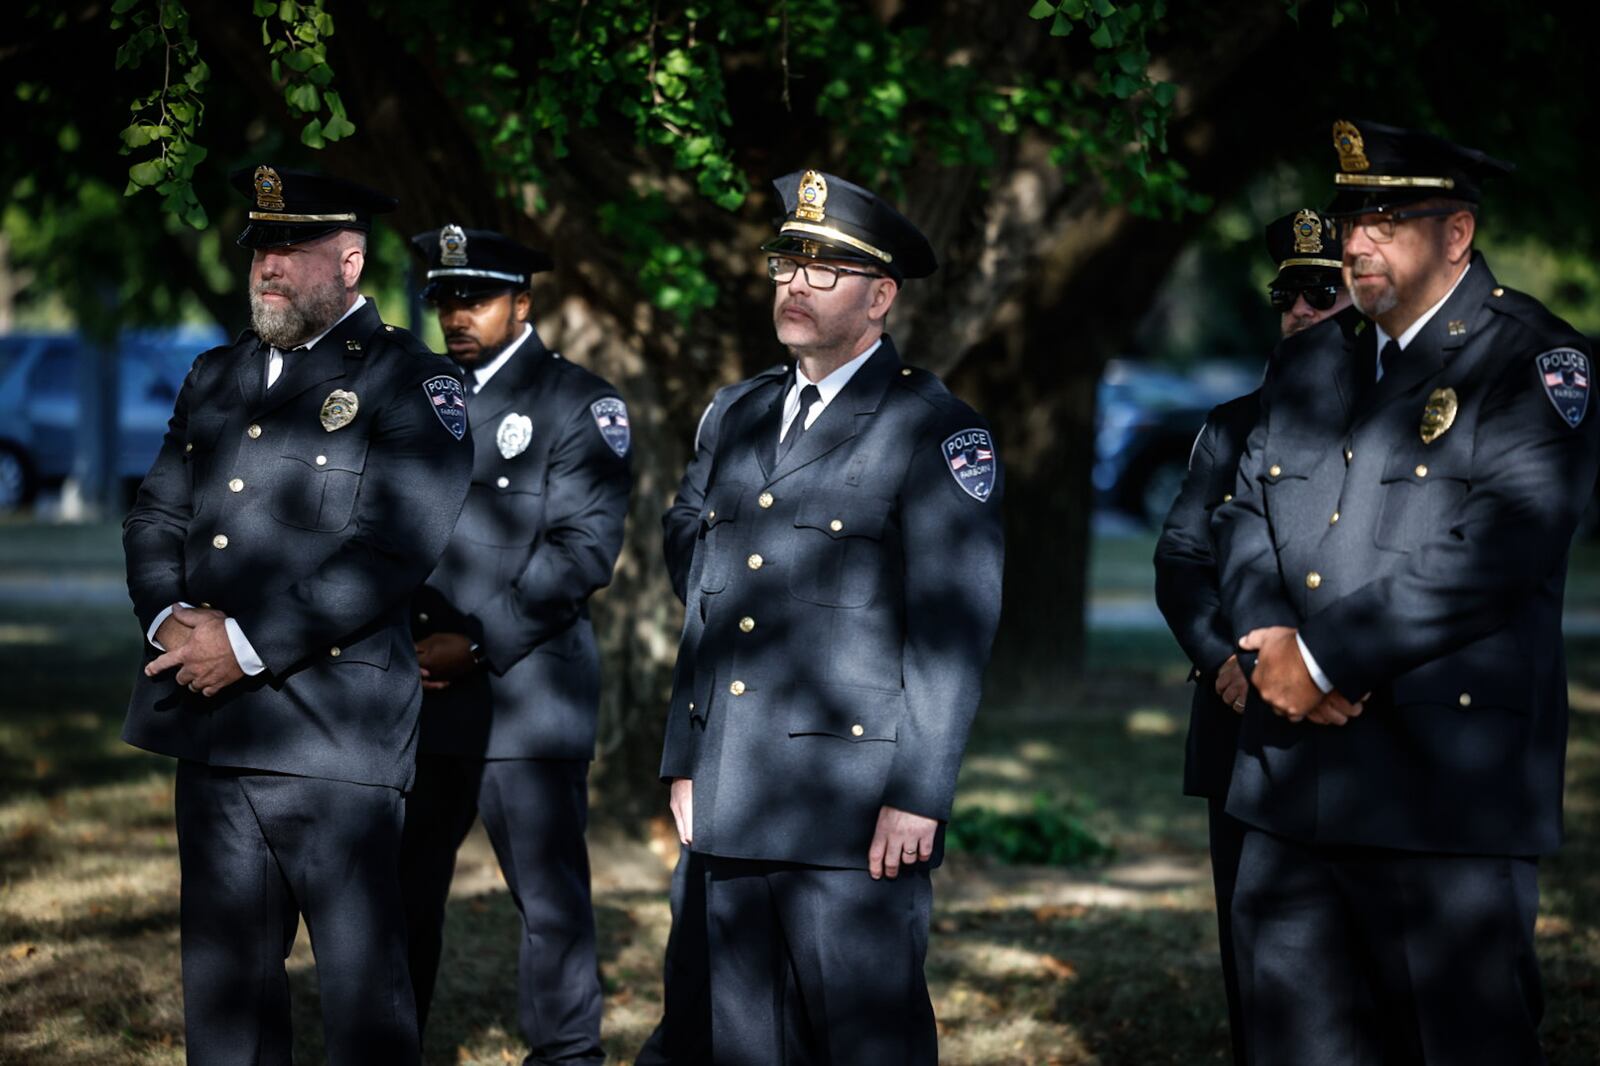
(318, 492)
(844, 712)
(719, 533)
(199, 450)
(1420, 494)
(1286, 487)
(507, 515)
(838, 557)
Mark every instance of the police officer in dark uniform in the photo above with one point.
(307, 484)
(507, 651)
(1397, 545)
(1308, 288)
(843, 597)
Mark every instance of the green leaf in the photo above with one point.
(136, 136)
(1104, 8)
(263, 8)
(320, 75)
(1041, 9)
(145, 174)
(338, 127)
(123, 6)
(311, 135)
(298, 61)
(195, 214)
(331, 98)
(302, 98)
(1101, 37)
(1165, 92)
(1061, 26)
(324, 23)
(287, 10)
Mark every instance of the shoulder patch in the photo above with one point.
(969, 455)
(1564, 373)
(611, 417)
(449, 403)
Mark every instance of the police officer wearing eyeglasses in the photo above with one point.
(508, 655)
(842, 600)
(307, 484)
(1394, 555)
(1307, 289)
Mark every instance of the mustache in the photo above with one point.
(792, 302)
(1369, 265)
(265, 287)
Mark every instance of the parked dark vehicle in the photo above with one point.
(39, 378)
(1146, 419)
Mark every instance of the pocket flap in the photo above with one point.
(374, 650)
(843, 514)
(846, 712)
(351, 460)
(721, 505)
(1419, 467)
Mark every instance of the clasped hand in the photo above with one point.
(195, 640)
(1281, 677)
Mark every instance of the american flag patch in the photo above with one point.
(1564, 372)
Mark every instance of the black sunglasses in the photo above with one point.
(1320, 297)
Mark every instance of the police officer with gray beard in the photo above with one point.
(1394, 555)
(507, 652)
(308, 482)
(842, 600)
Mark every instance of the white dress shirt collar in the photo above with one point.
(827, 388)
(482, 374)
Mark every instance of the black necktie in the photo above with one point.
(808, 396)
(1387, 359)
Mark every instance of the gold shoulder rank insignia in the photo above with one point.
(1439, 414)
(339, 409)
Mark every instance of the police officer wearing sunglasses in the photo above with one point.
(1307, 289)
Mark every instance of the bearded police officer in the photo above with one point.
(507, 651)
(1307, 289)
(1399, 535)
(842, 601)
(307, 483)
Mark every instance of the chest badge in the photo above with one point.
(1439, 414)
(513, 435)
(339, 409)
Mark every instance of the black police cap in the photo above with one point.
(1306, 249)
(467, 263)
(1382, 167)
(290, 206)
(830, 218)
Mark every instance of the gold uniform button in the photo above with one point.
(502, 482)
(335, 651)
(711, 515)
(236, 485)
(1275, 470)
(254, 431)
(1465, 699)
(1313, 580)
(754, 562)
(737, 688)
(746, 624)
(1227, 497)
(422, 617)
(691, 705)
(1422, 470)
(187, 448)
(905, 371)
(322, 460)
(206, 606)
(836, 525)
(765, 500)
(1498, 291)
(1334, 520)
(389, 329)
(1349, 454)
(219, 541)
(857, 729)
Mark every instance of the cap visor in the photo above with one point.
(278, 234)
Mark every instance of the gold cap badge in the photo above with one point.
(339, 409)
(452, 246)
(269, 189)
(1307, 232)
(1352, 149)
(1439, 414)
(812, 198)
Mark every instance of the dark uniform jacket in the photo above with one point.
(312, 540)
(1427, 574)
(540, 532)
(1188, 595)
(841, 609)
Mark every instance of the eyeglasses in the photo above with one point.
(1320, 297)
(1379, 228)
(820, 276)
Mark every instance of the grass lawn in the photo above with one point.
(1113, 965)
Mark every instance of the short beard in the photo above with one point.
(1380, 304)
(305, 315)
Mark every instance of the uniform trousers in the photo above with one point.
(1359, 956)
(815, 966)
(258, 851)
(535, 812)
(1227, 840)
(683, 1037)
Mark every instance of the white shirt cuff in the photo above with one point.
(243, 651)
(150, 634)
(1311, 665)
